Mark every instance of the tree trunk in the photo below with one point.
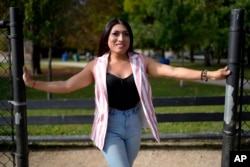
(36, 68)
(49, 95)
(219, 55)
(248, 56)
(162, 53)
(207, 60)
(191, 55)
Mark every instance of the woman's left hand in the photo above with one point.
(219, 74)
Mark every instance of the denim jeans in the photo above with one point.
(122, 142)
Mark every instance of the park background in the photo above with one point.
(183, 28)
(190, 33)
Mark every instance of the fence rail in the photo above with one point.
(158, 102)
(161, 117)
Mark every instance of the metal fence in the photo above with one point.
(14, 153)
(6, 89)
(243, 127)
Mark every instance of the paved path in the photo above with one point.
(90, 157)
(246, 83)
(68, 64)
(166, 156)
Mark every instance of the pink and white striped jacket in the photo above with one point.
(148, 117)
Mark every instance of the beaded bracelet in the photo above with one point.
(204, 75)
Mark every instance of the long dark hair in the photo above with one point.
(103, 44)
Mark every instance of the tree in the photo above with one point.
(54, 28)
(166, 20)
(32, 27)
(44, 24)
(241, 4)
(157, 24)
(88, 20)
(182, 24)
(142, 23)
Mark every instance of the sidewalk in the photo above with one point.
(91, 157)
(160, 157)
(246, 82)
(67, 63)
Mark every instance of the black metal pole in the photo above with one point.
(19, 101)
(232, 84)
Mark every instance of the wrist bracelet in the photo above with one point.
(33, 84)
(204, 75)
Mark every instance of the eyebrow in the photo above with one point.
(119, 31)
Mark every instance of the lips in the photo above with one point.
(120, 45)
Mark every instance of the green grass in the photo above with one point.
(179, 127)
(184, 127)
(160, 88)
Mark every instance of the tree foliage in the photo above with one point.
(194, 25)
(88, 20)
(200, 25)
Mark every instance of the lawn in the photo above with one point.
(160, 88)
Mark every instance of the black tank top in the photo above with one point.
(122, 93)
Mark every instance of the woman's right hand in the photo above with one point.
(27, 78)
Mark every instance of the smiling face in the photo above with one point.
(119, 40)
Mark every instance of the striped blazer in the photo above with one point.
(147, 115)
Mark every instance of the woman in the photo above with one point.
(122, 92)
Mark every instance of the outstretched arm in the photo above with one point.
(77, 81)
(156, 69)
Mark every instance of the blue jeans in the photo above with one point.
(122, 142)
